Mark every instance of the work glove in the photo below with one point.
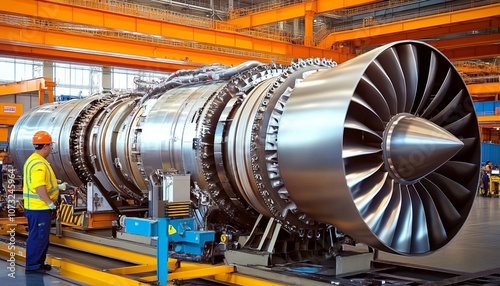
(53, 206)
(63, 186)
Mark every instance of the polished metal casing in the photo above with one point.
(384, 147)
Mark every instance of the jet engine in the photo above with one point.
(384, 148)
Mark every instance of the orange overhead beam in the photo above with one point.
(472, 70)
(474, 18)
(477, 67)
(110, 50)
(436, 31)
(323, 6)
(484, 88)
(89, 57)
(39, 85)
(54, 11)
(57, 45)
(488, 118)
(469, 47)
(272, 15)
(114, 21)
(472, 52)
(466, 41)
(26, 86)
(275, 13)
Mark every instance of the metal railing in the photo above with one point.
(148, 12)
(478, 66)
(39, 24)
(267, 6)
(413, 15)
(145, 11)
(235, 13)
(348, 12)
(482, 79)
(321, 34)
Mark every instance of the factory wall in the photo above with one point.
(28, 100)
(490, 152)
(487, 107)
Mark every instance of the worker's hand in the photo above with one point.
(63, 186)
(53, 206)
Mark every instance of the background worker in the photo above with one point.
(486, 178)
(40, 194)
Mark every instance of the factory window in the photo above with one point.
(13, 69)
(6, 74)
(123, 79)
(76, 81)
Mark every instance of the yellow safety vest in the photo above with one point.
(38, 172)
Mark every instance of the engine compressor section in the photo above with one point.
(383, 149)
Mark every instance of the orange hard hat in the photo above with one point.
(42, 137)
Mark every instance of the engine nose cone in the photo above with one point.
(414, 147)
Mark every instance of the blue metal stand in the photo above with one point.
(181, 231)
(162, 251)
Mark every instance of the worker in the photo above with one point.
(40, 194)
(486, 178)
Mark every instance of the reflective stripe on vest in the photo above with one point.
(36, 196)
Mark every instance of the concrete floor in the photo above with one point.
(20, 279)
(475, 248)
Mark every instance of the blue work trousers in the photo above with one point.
(486, 184)
(38, 237)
